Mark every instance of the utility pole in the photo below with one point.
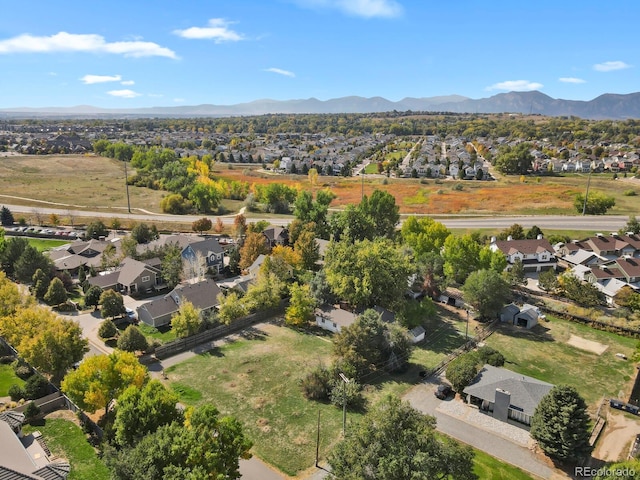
(586, 195)
(466, 331)
(126, 183)
(344, 403)
(318, 441)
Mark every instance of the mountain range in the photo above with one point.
(607, 106)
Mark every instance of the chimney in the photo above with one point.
(493, 239)
(509, 238)
(599, 235)
(501, 405)
(539, 236)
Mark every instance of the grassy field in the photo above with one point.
(84, 182)
(66, 440)
(164, 335)
(74, 181)
(256, 379)
(44, 244)
(8, 378)
(543, 353)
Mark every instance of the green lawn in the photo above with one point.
(544, 354)
(66, 440)
(43, 244)
(487, 467)
(8, 378)
(164, 334)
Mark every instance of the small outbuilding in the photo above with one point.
(417, 334)
(334, 319)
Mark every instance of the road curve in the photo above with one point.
(600, 223)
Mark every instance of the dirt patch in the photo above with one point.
(64, 414)
(588, 345)
(616, 438)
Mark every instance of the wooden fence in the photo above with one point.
(183, 344)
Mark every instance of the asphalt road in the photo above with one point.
(602, 223)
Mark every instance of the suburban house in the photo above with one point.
(254, 268)
(208, 251)
(334, 319)
(81, 253)
(130, 278)
(158, 312)
(276, 236)
(506, 395)
(536, 255)
(526, 316)
(26, 457)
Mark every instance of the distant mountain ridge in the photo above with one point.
(608, 106)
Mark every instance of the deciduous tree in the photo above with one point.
(487, 292)
(132, 340)
(424, 235)
(111, 304)
(102, 378)
(597, 203)
(396, 442)
(254, 245)
(56, 293)
(301, 305)
(187, 320)
(92, 297)
(201, 225)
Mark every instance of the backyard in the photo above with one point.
(544, 353)
(8, 378)
(66, 440)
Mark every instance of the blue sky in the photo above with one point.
(142, 53)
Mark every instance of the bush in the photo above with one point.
(31, 411)
(21, 369)
(350, 392)
(461, 372)
(629, 193)
(16, 392)
(490, 356)
(7, 359)
(107, 329)
(36, 387)
(316, 385)
(457, 187)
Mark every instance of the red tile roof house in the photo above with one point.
(536, 255)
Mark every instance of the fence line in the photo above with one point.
(177, 346)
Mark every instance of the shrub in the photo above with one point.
(316, 385)
(629, 193)
(490, 356)
(36, 387)
(16, 392)
(7, 359)
(461, 372)
(31, 411)
(457, 187)
(21, 369)
(107, 329)
(350, 392)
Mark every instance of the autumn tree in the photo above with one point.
(301, 305)
(111, 304)
(231, 307)
(254, 245)
(187, 321)
(307, 248)
(219, 226)
(396, 442)
(103, 378)
(201, 225)
(239, 225)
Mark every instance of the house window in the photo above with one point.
(146, 279)
(321, 320)
(334, 325)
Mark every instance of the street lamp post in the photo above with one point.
(344, 402)
(466, 330)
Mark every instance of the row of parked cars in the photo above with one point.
(46, 231)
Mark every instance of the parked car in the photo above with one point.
(443, 391)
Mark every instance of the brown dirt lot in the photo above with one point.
(616, 438)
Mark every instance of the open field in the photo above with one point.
(8, 378)
(76, 181)
(88, 182)
(256, 380)
(544, 353)
(66, 440)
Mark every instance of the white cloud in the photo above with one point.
(359, 8)
(91, 79)
(571, 80)
(280, 71)
(179, 100)
(217, 30)
(610, 66)
(126, 93)
(516, 86)
(87, 43)
(155, 95)
(127, 82)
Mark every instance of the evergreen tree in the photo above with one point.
(6, 217)
(56, 293)
(561, 424)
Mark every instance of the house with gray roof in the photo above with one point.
(158, 312)
(334, 319)
(132, 277)
(23, 457)
(506, 395)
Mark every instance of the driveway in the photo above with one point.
(511, 451)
